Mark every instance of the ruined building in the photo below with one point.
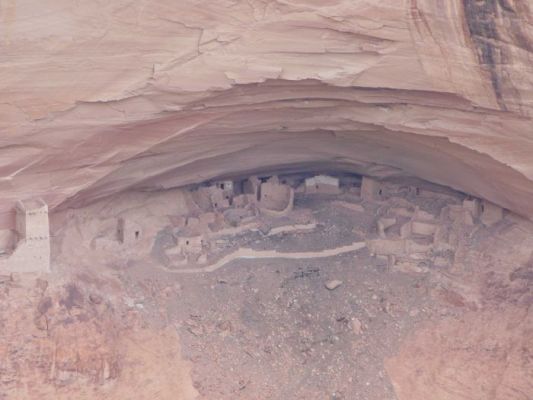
(32, 251)
(255, 199)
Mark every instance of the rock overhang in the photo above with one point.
(373, 90)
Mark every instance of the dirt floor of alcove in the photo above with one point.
(352, 326)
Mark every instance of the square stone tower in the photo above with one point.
(32, 253)
(32, 220)
(128, 231)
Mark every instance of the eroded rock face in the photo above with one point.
(104, 96)
(72, 341)
(485, 355)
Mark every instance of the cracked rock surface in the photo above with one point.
(103, 96)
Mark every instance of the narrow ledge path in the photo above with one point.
(247, 253)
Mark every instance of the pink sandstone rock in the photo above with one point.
(97, 98)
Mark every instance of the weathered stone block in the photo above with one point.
(128, 231)
(371, 189)
(490, 213)
(322, 184)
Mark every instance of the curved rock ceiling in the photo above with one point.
(102, 96)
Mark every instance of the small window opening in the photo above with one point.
(137, 233)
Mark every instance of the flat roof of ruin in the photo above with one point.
(31, 204)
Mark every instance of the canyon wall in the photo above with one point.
(103, 96)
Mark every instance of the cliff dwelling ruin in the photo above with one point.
(266, 200)
(31, 252)
(320, 270)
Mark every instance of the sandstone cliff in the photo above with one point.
(102, 96)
